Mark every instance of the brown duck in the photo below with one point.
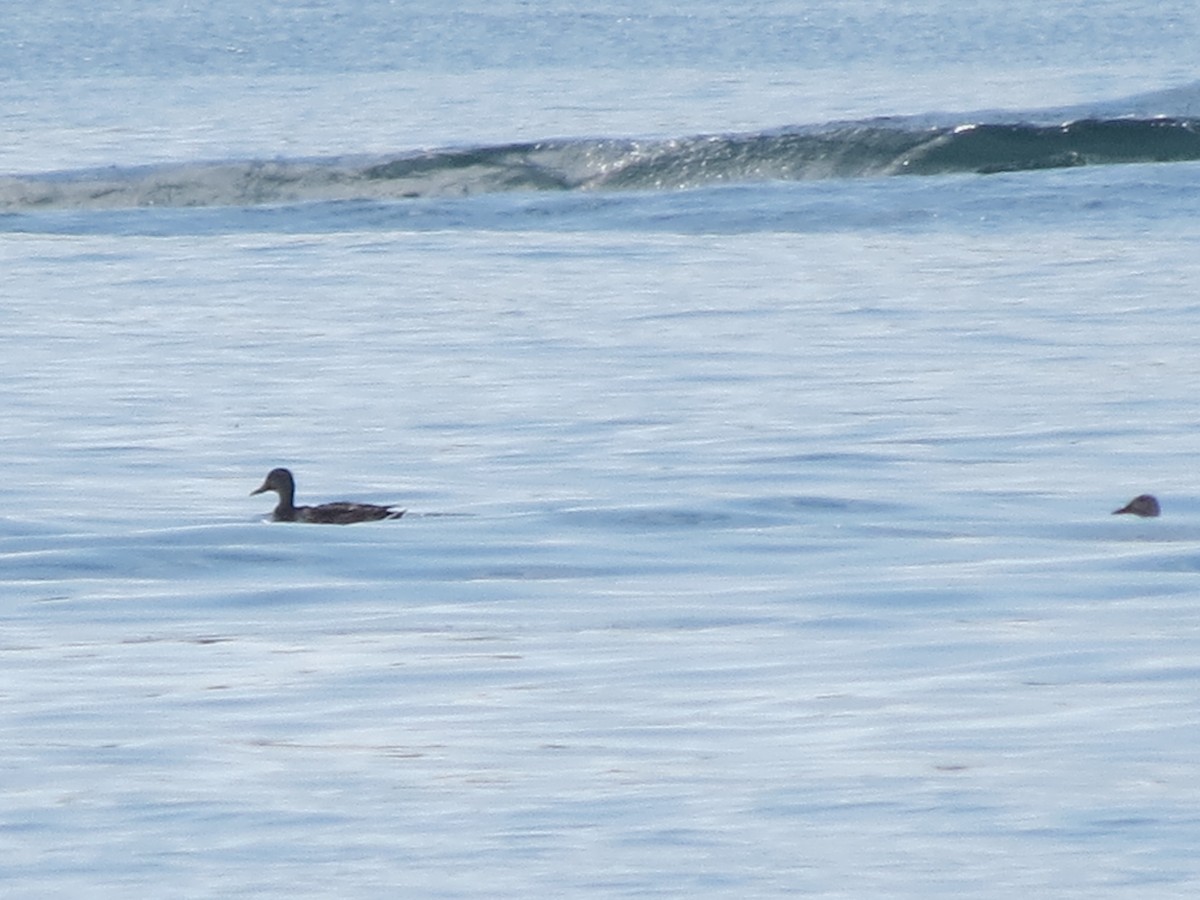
(282, 483)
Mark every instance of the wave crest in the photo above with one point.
(838, 150)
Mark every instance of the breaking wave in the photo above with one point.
(879, 147)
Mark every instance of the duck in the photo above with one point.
(282, 483)
(1144, 505)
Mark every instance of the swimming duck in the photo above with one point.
(1144, 505)
(281, 482)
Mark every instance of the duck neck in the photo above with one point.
(285, 511)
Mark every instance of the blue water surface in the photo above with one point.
(759, 535)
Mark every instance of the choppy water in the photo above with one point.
(759, 538)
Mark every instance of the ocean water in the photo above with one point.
(759, 384)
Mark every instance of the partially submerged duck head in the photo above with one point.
(282, 483)
(1144, 505)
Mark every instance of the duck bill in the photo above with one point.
(261, 490)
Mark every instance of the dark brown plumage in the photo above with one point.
(282, 483)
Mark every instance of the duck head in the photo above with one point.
(280, 481)
(1144, 505)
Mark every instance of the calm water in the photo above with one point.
(759, 538)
